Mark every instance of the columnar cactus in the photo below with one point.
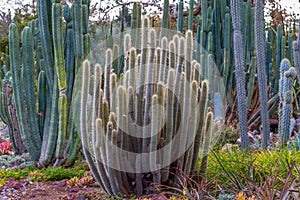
(296, 54)
(48, 130)
(287, 74)
(261, 70)
(121, 149)
(240, 71)
(180, 16)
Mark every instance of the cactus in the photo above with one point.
(180, 16)
(49, 131)
(165, 20)
(240, 71)
(287, 74)
(191, 16)
(114, 127)
(296, 53)
(278, 57)
(261, 70)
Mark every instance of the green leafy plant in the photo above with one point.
(232, 171)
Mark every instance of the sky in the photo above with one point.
(290, 5)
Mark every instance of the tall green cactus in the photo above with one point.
(180, 16)
(48, 130)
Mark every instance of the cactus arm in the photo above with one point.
(83, 120)
(99, 140)
(297, 58)
(107, 73)
(41, 94)
(153, 161)
(201, 122)
(191, 15)
(46, 39)
(193, 128)
(206, 143)
(180, 16)
(15, 62)
(51, 131)
(28, 73)
(149, 88)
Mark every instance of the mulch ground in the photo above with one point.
(56, 190)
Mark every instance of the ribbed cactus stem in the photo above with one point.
(127, 47)
(206, 143)
(286, 117)
(193, 126)
(28, 78)
(180, 16)
(113, 91)
(165, 20)
(154, 134)
(96, 104)
(169, 120)
(42, 95)
(172, 55)
(240, 71)
(100, 139)
(287, 74)
(188, 54)
(163, 69)
(278, 56)
(149, 87)
(107, 73)
(62, 126)
(261, 71)
(15, 61)
(296, 53)
(201, 122)
(44, 27)
(115, 63)
(191, 15)
(83, 119)
(110, 158)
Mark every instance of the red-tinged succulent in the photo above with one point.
(5, 148)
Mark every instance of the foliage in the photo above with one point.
(80, 182)
(10, 161)
(46, 174)
(23, 13)
(228, 136)
(234, 171)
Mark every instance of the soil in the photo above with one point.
(56, 190)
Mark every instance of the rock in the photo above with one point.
(229, 147)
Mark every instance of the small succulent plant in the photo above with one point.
(5, 148)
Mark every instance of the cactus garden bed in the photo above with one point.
(198, 103)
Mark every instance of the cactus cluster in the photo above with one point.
(153, 118)
(287, 75)
(43, 73)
